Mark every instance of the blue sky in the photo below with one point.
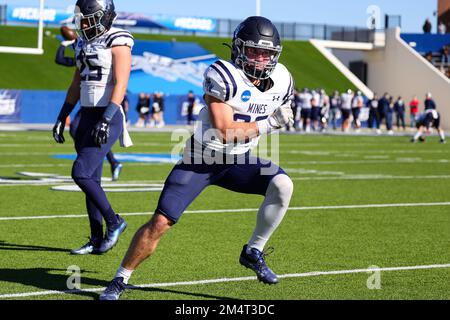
(342, 12)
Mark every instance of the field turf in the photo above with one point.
(358, 202)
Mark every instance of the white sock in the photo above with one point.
(417, 136)
(124, 273)
(272, 210)
(442, 134)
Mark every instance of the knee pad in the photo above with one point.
(281, 188)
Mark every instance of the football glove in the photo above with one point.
(277, 120)
(100, 133)
(58, 130)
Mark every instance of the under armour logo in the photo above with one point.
(104, 125)
(276, 98)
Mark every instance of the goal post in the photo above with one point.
(39, 49)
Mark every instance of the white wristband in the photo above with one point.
(263, 127)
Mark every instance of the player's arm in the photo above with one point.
(221, 116)
(72, 97)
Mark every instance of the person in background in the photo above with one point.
(315, 109)
(374, 115)
(390, 116)
(413, 111)
(143, 109)
(305, 104)
(383, 107)
(429, 102)
(158, 110)
(399, 108)
(346, 109)
(442, 28)
(357, 104)
(427, 120)
(427, 26)
(63, 60)
(294, 107)
(324, 110)
(335, 106)
(191, 104)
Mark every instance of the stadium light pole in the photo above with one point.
(258, 7)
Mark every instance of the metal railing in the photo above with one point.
(2, 14)
(288, 31)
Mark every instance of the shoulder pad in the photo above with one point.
(219, 81)
(119, 37)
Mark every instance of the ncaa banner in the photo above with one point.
(9, 106)
(186, 23)
(31, 14)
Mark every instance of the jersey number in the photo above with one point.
(246, 118)
(86, 61)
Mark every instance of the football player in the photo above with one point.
(61, 59)
(103, 56)
(429, 119)
(246, 97)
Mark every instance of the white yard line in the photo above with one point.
(228, 280)
(371, 177)
(362, 206)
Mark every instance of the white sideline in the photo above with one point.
(362, 206)
(224, 280)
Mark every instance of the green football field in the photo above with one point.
(359, 203)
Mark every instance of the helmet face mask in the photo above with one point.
(93, 18)
(256, 48)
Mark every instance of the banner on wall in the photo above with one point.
(9, 106)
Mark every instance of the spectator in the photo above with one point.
(294, 106)
(429, 102)
(389, 116)
(357, 104)
(315, 109)
(325, 109)
(143, 108)
(346, 109)
(383, 106)
(413, 111)
(445, 56)
(374, 113)
(305, 104)
(427, 26)
(442, 28)
(191, 104)
(158, 110)
(429, 57)
(399, 109)
(335, 106)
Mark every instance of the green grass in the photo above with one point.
(308, 66)
(34, 253)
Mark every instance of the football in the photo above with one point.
(67, 33)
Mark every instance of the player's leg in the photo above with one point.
(116, 166)
(182, 186)
(266, 179)
(96, 226)
(86, 171)
(418, 134)
(74, 125)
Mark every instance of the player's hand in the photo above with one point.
(100, 133)
(67, 43)
(58, 130)
(281, 117)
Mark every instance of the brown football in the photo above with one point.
(67, 33)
